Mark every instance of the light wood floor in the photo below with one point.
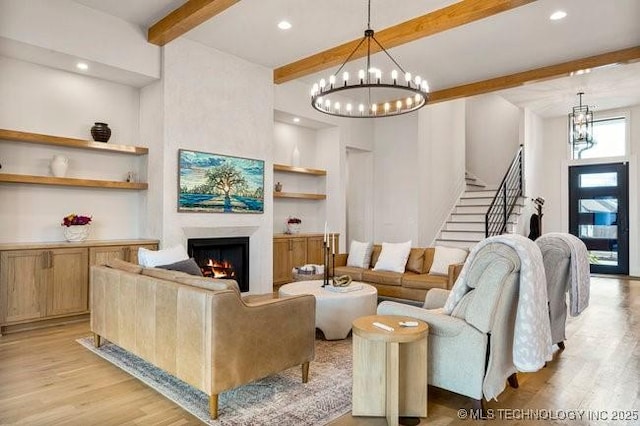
(46, 378)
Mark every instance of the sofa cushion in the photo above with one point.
(446, 256)
(188, 266)
(424, 281)
(359, 254)
(354, 273)
(416, 261)
(393, 257)
(382, 277)
(152, 258)
(375, 254)
(124, 266)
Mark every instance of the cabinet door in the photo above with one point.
(102, 255)
(314, 250)
(68, 286)
(298, 252)
(22, 283)
(281, 261)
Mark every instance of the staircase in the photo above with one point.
(465, 226)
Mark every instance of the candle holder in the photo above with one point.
(325, 279)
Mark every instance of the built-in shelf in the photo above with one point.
(37, 138)
(301, 170)
(299, 195)
(64, 181)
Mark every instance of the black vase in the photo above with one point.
(101, 132)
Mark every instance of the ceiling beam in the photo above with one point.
(186, 17)
(631, 54)
(455, 15)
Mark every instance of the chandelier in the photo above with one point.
(581, 125)
(371, 94)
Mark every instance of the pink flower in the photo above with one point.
(74, 219)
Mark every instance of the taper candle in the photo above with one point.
(334, 244)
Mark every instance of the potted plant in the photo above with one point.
(76, 227)
(293, 225)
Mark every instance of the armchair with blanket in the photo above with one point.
(475, 342)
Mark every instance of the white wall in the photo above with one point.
(493, 136)
(441, 165)
(215, 102)
(38, 99)
(532, 135)
(360, 189)
(396, 179)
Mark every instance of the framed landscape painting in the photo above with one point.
(212, 183)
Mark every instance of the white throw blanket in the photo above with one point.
(580, 278)
(532, 334)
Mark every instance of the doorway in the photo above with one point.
(598, 214)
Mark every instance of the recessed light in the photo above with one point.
(296, 120)
(556, 16)
(284, 25)
(82, 66)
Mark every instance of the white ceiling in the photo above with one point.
(517, 40)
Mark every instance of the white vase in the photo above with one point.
(295, 160)
(76, 232)
(293, 228)
(59, 165)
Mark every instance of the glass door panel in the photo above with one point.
(598, 214)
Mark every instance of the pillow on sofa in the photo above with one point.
(393, 257)
(375, 254)
(416, 260)
(359, 254)
(444, 257)
(188, 266)
(151, 258)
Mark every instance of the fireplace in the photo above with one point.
(226, 258)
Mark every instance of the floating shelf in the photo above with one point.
(37, 138)
(299, 195)
(301, 170)
(60, 181)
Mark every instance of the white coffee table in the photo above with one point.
(335, 311)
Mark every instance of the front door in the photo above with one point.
(598, 214)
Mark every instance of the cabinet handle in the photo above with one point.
(47, 260)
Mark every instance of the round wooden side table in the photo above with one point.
(389, 368)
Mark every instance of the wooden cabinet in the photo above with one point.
(42, 283)
(291, 251)
(22, 285)
(67, 289)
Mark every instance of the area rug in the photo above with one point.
(281, 399)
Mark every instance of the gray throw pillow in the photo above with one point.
(188, 266)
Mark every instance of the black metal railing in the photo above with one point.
(497, 217)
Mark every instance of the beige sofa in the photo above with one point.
(198, 329)
(413, 284)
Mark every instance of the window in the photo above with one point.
(610, 139)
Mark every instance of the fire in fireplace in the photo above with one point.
(226, 258)
(219, 269)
